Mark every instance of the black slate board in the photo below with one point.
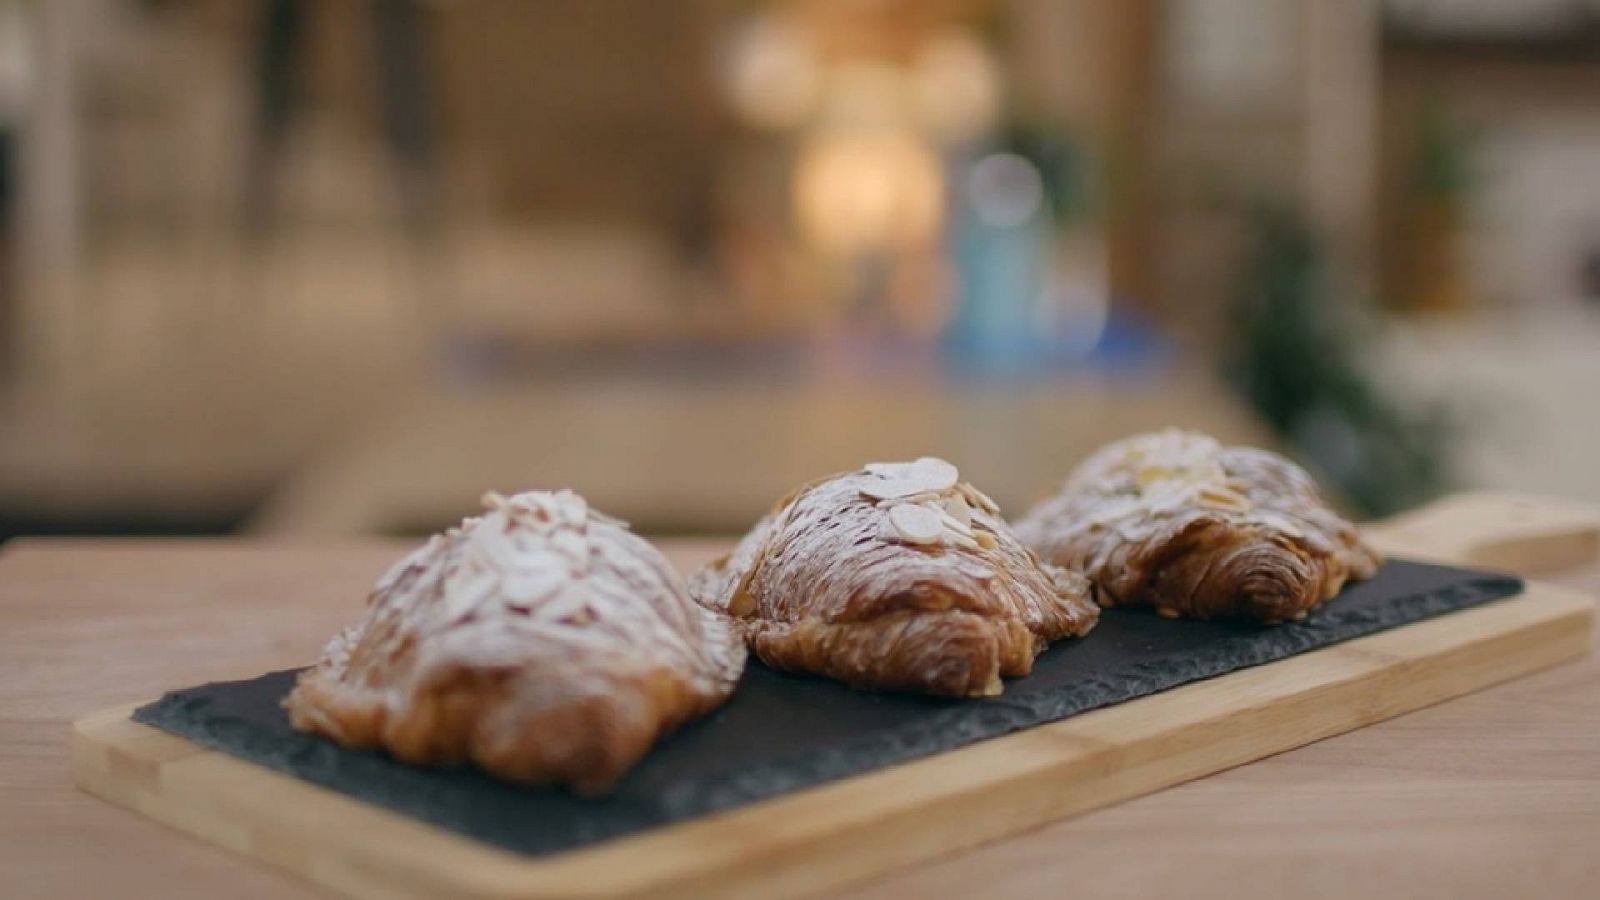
(780, 733)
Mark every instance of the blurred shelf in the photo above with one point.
(1576, 43)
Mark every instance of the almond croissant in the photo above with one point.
(1175, 521)
(895, 577)
(543, 642)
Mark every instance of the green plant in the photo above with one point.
(1297, 361)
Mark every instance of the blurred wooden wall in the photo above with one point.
(605, 108)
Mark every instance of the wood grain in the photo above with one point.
(1496, 530)
(1491, 795)
(800, 844)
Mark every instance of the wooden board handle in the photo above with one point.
(1513, 532)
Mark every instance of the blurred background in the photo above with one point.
(336, 267)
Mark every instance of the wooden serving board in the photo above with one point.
(850, 829)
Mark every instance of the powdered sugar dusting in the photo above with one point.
(1128, 501)
(539, 571)
(884, 541)
(539, 582)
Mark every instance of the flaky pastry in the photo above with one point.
(898, 576)
(542, 642)
(1175, 521)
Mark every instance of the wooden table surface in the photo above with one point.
(1493, 795)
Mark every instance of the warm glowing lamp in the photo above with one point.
(771, 72)
(956, 86)
(859, 192)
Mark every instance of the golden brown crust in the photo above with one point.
(542, 642)
(830, 584)
(1175, 521)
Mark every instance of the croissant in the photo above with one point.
(898, 576)
(1175, 521)
(543, 642)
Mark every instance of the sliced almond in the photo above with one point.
(984, 539)
(465, 591)
(570, 602)
(1282, 523)
(927, 498)
(1147, 476)
(1223, 499)
(916, 524)
(493, 540)
(893, 480)
(957, 539)
(891, 488)
(530, 584)
(573, 546)
(1113, 508)
(954, 525)
(956, 506)
(979, 499)
(573, 509)
(936, 473)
